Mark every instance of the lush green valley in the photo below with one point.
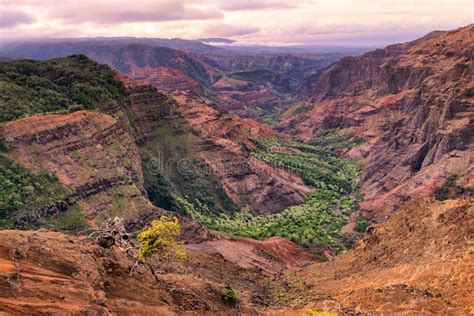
(315, 224)
(65, 84)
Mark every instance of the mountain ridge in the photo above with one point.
(412, 103)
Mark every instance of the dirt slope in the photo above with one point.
(419, 262)
(45, 272)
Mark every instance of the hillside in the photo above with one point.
(148, 127)
(210, 72)
(360, 201)
(428, 271)
(412, 106)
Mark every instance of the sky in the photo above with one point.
(263, 22)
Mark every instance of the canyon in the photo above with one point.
(382, 141)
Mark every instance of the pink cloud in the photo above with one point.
(257, 5)
(145, 11)
(222, 29)
(11, 18)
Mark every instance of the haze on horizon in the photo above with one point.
(263, 22)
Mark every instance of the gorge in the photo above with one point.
(304, 182)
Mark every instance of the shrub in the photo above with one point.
(160, 239)
(229, 296)
(361, 224)
(441, 193)
(311, 312)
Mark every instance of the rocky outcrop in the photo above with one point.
(89, 152)
(220, 142)
(252, 184)
(412, 103)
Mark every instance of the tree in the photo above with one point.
(160, 239)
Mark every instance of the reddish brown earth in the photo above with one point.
(166, 79)
(413, 104)
(250, 183)
(89, 152)
(272, 255)
(420, 262)
(429, 271)
(44, 273)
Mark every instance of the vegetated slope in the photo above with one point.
(91, 152)
(317, 223)
(418, 262)
(253, 93)
(29, 87)
(221, 141)
(166, 68)
(210, 74)
(413, 105)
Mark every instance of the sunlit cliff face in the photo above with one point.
(253, 22)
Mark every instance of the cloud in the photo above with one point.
(11, 18)
(108, 12)
(114, 11)
(256, 21)
(257, 5)
(224, 30)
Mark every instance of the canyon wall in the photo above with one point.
(412, 104)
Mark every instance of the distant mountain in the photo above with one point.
(194, 67)
(215, 40)
(175, 43)
(300, 50)
(167, 69)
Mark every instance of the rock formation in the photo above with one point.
(413, 105)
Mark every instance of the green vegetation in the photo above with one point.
(451, 188)
(294, 110)
(160, 239)
(361, 224)
(441, 193)
(258, 76)
(334, 139)
(28, 191)
(316, 223)
(72, 221)
(58, 85)
(172, 169)
(230, 296)
(318, 166)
